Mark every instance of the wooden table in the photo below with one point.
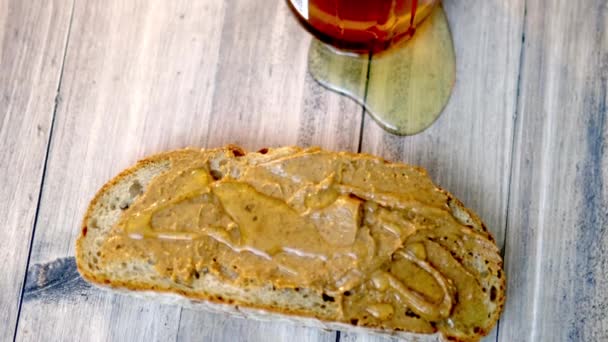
(89, 87)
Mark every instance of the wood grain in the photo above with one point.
(468, 149)
(222, 328)
(32, 44)
(556, 256)
(145, 76)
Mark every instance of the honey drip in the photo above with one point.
(404, 88)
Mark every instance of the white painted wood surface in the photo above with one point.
(557, 234)
(32, 44)
(522, 142)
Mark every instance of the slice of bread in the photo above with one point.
(265, 298)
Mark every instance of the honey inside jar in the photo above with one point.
(361, 25)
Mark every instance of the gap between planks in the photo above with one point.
(363, 109)
(516, 119)
(44, 168)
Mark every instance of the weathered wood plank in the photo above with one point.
(468, 149)
(263, 64)
(279, 105)
(556, 256)
(32, 45)
(146, 76)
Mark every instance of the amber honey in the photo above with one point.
(403, 88)
(361, 25)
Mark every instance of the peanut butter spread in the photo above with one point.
(377, 238)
